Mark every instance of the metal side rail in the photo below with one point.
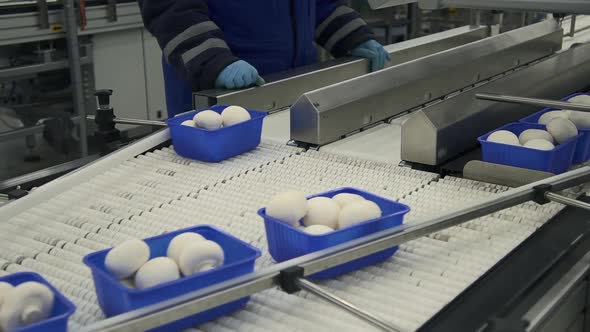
(198, 301)
(282, 90)
(325, 115)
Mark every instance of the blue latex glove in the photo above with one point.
(238, 75)
(372, 50)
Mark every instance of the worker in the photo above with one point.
(230, 44)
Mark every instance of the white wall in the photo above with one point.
(128, 61)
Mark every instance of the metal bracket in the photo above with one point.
(540, 192)
(288, 279)
(17, 193)
(112, 10)
(533, 102)
(43, 14)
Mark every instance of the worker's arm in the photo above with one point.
(341, 31)
(194, 45)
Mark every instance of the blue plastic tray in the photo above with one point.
(62, 307)
(286, 242)
(582, 152)
(555, 161)
(114, 298)
(215, 145)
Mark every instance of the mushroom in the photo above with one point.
(126, 258)
(317, 229)
(358, 212)
(200, 256)
(208, 119)
(288, 207)
(179, 242)
(322, 211)
(5, 288)
(344, 199)
(156, 271)
(26, 304)
(234, 114)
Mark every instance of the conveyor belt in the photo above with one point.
(160, 191)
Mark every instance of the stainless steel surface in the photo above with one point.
(57, 169)
(447, 128)
(190, 303)
(76, 72)
(572, 26)
(538, 314)
(24, 27)
(550, 6)
(380, 4)
(502, 174)
(13, 72)
(533, 102)
(355, 310)
(43, 14)
(283, 92)
(567, 201)
(134, 121)
(325, 115)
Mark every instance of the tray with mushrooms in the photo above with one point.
(581, 120)
(548, 148)
(217, 133)
(28, 303)
(297, 225)
(137, 273)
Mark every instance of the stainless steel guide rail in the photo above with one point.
(327, 114)
(198, 301)
(533, 101)
(282, 92)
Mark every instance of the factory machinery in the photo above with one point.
(475, 255)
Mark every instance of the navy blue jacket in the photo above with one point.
(199, 38)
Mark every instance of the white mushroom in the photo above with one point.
(539, 144)
(562, 129)
(358, 212)
(156, 271)
(28, 303)
(200, 256)
(580, 119)
(580, 99)
(288, 206)
(344, 199)
(208, 120)
(531, 134)
(322, 211)
(317, 229)
(126, 258)
(503, 137)
(179, 242)
(5, 288)
(189, 123)
(547, 117)
(234, 114)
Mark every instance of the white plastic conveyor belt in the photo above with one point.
(159, 191)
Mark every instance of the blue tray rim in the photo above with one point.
(134, 291)
(34, 276)
(404, 211)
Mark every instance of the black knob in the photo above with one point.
(104, 96)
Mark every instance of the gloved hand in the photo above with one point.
(372, 50)
(238, 75)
